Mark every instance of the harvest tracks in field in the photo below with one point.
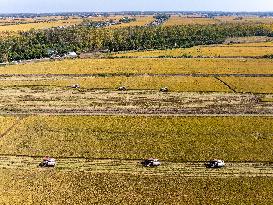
(40, 100)
(187, 169)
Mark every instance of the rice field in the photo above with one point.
(28, 24)
(53, 187)
(253, 85)
(253, 19)
(255, 44)
(175, 139)
(190, 20)
(6, 123)
(183, 20)
(174, 84)
(142, 66)
(248, 39)
(234, 50)
(40, 25)
(140, 21)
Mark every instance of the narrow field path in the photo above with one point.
(187, 169)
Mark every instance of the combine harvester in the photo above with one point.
(215, 163)
(151, 162)
(48, 162)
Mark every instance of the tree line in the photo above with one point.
(40, 43)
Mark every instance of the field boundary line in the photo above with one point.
(224, 83)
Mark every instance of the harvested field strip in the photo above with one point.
(56, 187)
(144, 66)
(253, 85)
(31, 77)
(67, 101)
(175, 83)
(175, 139)
(186, 169)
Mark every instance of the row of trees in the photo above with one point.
(37, 44)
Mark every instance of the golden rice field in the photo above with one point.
(176, 139)
(237, 50)
(170, 138)
(256, 44)
(140, 21)
(190, 20)
(234, 19)
(42, 25)
(105, 18)
(253, 85)
(9, 20)
(175, 84)
(182, 20)
(6, 123)
(53, 187)
(142, 66)
(251, 40)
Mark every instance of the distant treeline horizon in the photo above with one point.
(107, 13)
(37, 44)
